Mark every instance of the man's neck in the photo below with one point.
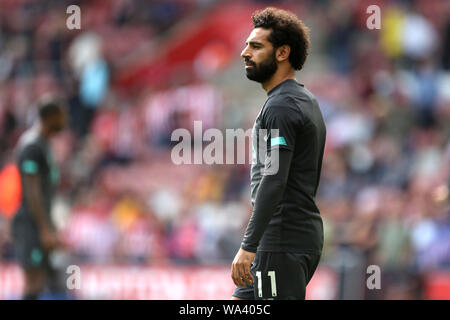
(276, 80)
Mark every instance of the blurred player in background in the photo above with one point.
(284, 237)
(34, 234)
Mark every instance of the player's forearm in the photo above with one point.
(35, 204)
(270, 193)
(38, 212)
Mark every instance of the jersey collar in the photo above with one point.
(278, 87)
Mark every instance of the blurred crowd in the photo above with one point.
(385, 96)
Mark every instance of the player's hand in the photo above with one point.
(240, 268)
(49, 239)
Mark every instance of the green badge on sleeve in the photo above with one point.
(36, 257)
(278, 141)
(30, 167)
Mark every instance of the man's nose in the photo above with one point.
(245, 53)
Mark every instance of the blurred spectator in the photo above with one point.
(92, 73)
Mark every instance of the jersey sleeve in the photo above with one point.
(30, 161)
(268, 197)
(282, 124)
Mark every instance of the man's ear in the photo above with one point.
(283, 52)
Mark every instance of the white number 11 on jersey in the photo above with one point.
(273, 283)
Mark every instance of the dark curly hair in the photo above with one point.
(286, 29)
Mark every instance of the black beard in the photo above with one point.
(264, 71)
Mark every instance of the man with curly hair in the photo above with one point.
(283, 241)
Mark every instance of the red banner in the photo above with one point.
(162, 283)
